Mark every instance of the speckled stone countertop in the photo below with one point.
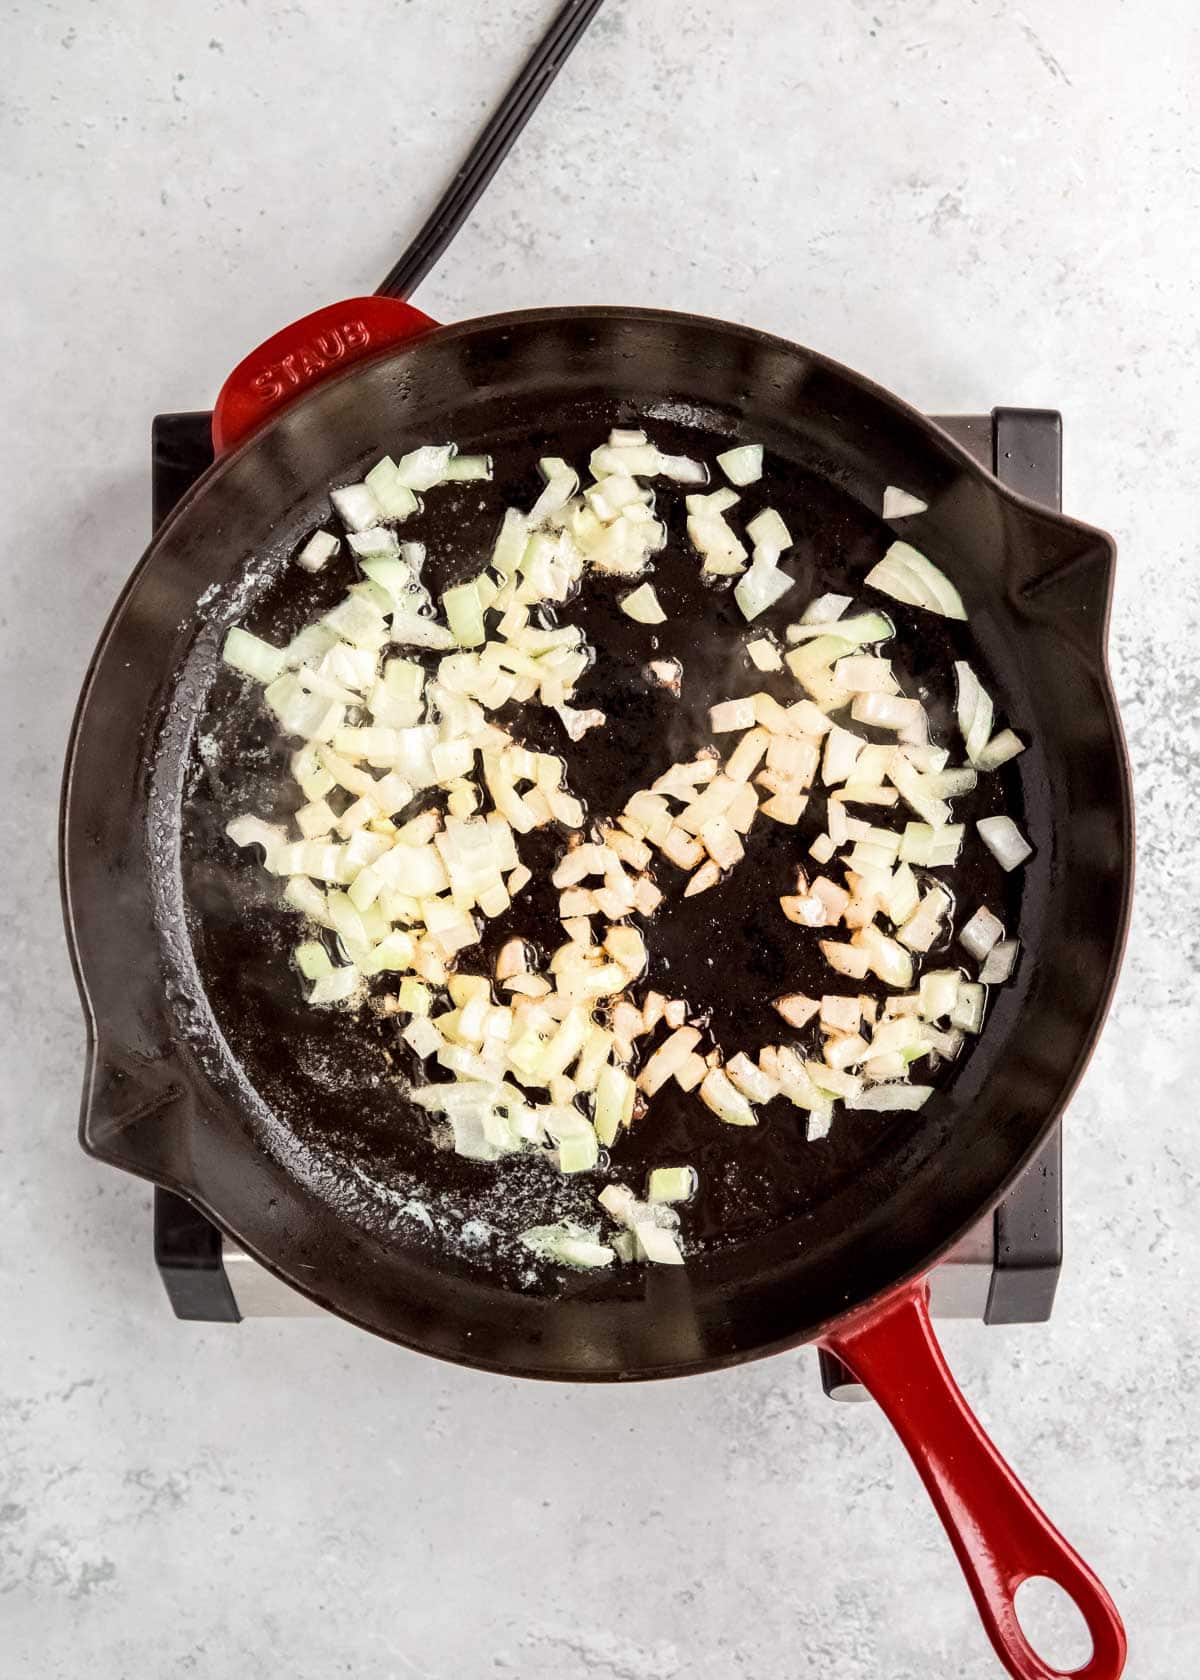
(975, 204)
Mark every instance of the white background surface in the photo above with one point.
(975, 205)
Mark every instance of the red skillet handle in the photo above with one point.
(999, 1534)
(303, 354)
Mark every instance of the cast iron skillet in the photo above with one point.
(193, 1082)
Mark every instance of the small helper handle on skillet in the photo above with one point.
(999, 1534)
(305, 353)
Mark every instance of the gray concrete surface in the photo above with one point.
(973, 203)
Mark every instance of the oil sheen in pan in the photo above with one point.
(334, 1081)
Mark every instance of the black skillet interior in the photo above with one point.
(289, 1125)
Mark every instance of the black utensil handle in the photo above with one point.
(491, 148)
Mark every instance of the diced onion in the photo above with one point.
(716, 502)
(731, 714)
(357, 506)
(892, 1098)
(724, 553)
(913, 790)
(902, 1034)
(924, 925)
(625, 459)
(312, 959)
(842, 748)
(320, 548)
(938, 993)
(768, 531)
(578, 1154)
(562, 481)
(900, 504)
(982, 932)
(252, 831)
(795, 1083)
(1005, 841)
(392, 497)
(926, 758)
(742, 465)
(338, 986)
(377, 541)
(950, 784)
(657, 1245)
(999, 963)
(764, 655)
(836, 1082)
(999, 750)
(761, 587)
(410, 630)
(884, 711)
(568, 1244)
(683, 469)
(786, 808)
(974, 711)
(826, 609)
(845, 959)
(252, 656)
(865, 674)
(577, 723)
(424, 468)
(464, 614)
(671, 1184)
(797, 1010)
(725, 1101)
(967, 1014)
(642, 605)
(908, 576)
(866, 627)
(750, 1080)
(704, 878)
(468, 468)
(615, 1093)
(888, 958)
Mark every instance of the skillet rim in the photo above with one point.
(1101, 546)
